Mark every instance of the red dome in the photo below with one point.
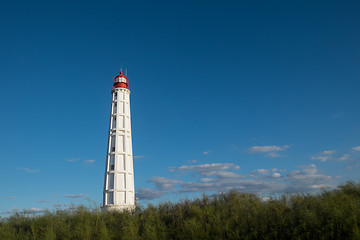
(121, 75)
(121, 81)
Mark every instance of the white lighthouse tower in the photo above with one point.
(119, 191)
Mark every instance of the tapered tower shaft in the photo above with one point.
(119, 191)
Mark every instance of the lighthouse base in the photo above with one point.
(117, 208)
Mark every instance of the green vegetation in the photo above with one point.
(331, 214)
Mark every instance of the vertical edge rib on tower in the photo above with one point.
(119, 190)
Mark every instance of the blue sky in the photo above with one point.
(261, 96)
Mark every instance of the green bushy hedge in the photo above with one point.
(331, 214)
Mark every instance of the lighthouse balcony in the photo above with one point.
(121, 131)
(112, 152)
(119, 114)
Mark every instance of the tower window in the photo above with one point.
(114, 123)
(112, 139)
(110, 198)
(115, 108)
(112, 162)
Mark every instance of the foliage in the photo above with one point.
(331, 214)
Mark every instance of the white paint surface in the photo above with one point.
(119, 191)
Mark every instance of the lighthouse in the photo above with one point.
(119, 191)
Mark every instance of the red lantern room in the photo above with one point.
(121, 81)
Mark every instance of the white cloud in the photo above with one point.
(25, 211)
(42, 201)
(34, 210)
(220, 177)
(72, 159)
(265, 149)
(324, 156)
(206, 179)
(260, 171)
(222, 174)
(211, 170)
(265, 173)
(88, 161)
(307, 179)
(138, 156)
(11, 211)
(251, 186)
(328, 152)
(320, 158)
(164, 183)
(74, 195)
(29, 170)
(272, 155)
(207, 152)
(11, 197)
(148, 194)
(61, 205)
(271, 151)
(357, 148)
(343, 158)
(278, 170)
(276, 175)
(327, 155)
(208, 167)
